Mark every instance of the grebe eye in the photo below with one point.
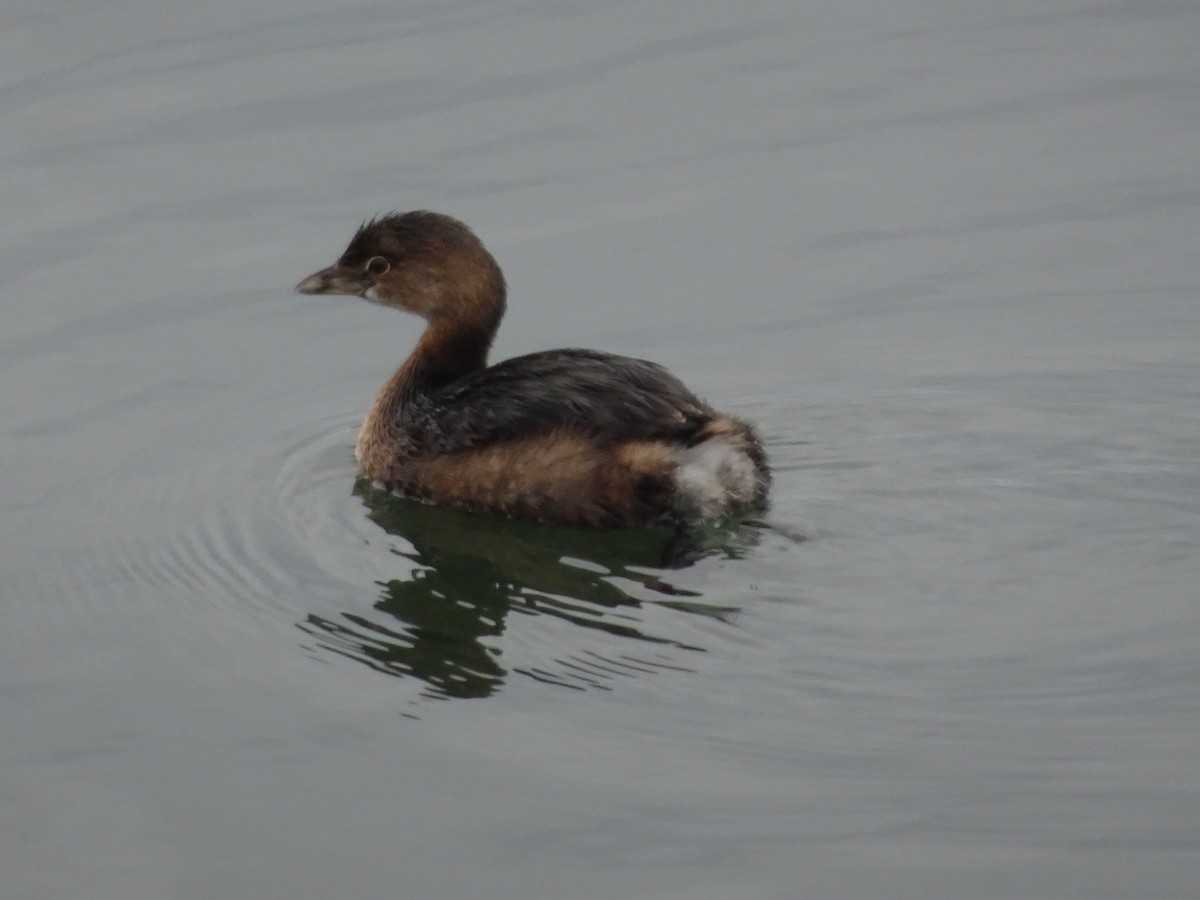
(377, 265)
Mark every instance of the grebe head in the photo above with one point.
(421, 262)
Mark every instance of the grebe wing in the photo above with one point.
(585, 391)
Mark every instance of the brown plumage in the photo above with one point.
(571, 436)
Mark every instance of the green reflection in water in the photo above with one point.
(445, 616)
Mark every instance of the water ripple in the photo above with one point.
(459, 604)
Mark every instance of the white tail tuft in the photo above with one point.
(713, 479)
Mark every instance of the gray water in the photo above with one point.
(945, 254)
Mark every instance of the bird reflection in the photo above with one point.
(444, 618)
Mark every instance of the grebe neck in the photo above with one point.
(448, 350)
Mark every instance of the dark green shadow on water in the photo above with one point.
(444, 616)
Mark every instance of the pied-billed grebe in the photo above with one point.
(571, 436)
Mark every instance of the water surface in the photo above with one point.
(944, 254)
